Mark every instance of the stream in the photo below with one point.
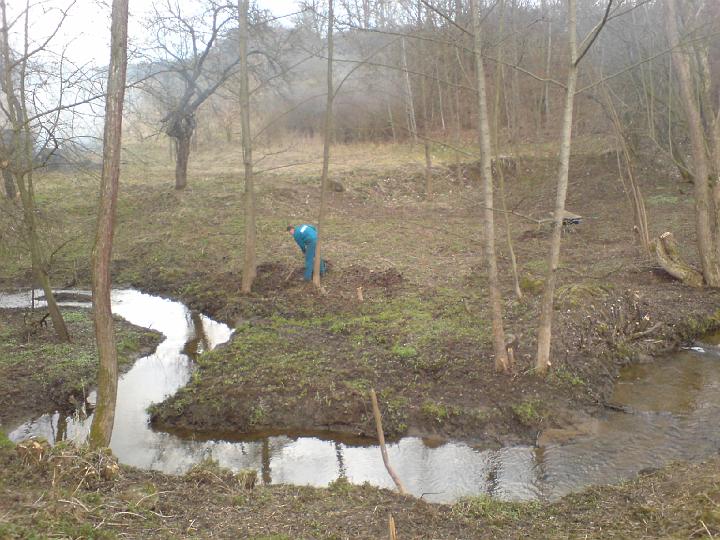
(672, 412)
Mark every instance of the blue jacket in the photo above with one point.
(305, 235)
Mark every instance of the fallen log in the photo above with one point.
(668, 255)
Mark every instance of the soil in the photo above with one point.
(403, 311)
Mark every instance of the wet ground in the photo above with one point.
(420, 335)
(661, 412)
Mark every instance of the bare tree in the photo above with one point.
(700, 143)
(19, 162)
(188, 67)
(102, 424)
(542, 361)
(498, 333)
(327, 141)
(249, 264)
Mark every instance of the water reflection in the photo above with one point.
(674, 404)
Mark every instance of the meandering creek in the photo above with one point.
(672, 412)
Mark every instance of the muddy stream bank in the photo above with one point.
(666, 411)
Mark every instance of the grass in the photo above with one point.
(528, 412)
(493, 512)
(438, 412)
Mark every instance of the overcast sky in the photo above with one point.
(86, 31)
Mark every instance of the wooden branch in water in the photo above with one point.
(381, 438)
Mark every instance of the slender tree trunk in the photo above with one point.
(440, 98)
(249, 263)
(546, 309)
(631, 187)
(707, 249)
(392, 123)
(548, 59)
(499, 85)
(498, 333)
(182, 158)
(428, 170)
(40, 270)
(409, 105)
(328, 135)
(102, 425)
(22, 166)
(9, 181)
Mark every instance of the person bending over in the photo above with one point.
(306, 237)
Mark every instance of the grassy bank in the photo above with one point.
(74, 493)
(39, 374)
(418, 334)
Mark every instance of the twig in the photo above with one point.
(653, 328)
(706, 529)
(116, 514)
(381, 438)
(74, 502)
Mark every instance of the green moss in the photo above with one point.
(395, 412)
(530, 285)
(564, 376)
(662, 199)
(528, 412)
(493, 511)
(404, 351)
(439, 412)
(5, 442)
(536, 266)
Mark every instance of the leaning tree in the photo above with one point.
(40, 91)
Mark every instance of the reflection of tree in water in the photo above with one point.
(60, 430)
(199, 342)
(265, 461)
(540, 473)
(342, 472)
(493, 475)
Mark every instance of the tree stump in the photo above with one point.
(668, 255)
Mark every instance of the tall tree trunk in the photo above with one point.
(546, 309)
(499, 85)
(704, 221)
(498, 333)
(182, 157)
(328, 135)
(102, 425)
(428, 170)
(548, 58)
(391, 121)
(249, 263)
(409, 105)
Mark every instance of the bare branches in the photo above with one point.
(592, 36)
